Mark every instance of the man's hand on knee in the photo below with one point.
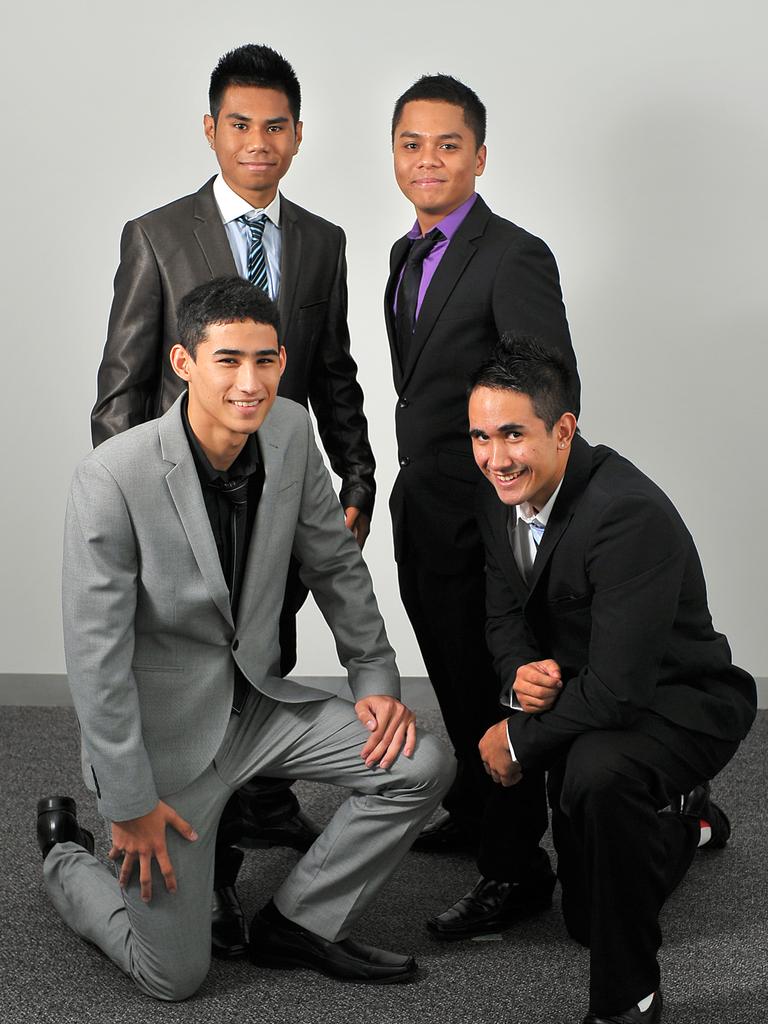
(537, 685)
(392, 726)
(142, 839)
(497, 760)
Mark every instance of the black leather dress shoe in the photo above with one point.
(297, 832)
(446, 835)
(229, 934)
(277, 942)
(634, 1016)
(57, 823)
(492, 906)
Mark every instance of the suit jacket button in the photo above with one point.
(403, 403)
(404, 460)
(235, 645)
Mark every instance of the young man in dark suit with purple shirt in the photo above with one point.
(458, 279)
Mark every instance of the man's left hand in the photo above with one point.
(359, 523)
(392, 726)
(497, 760)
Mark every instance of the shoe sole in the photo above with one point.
(721, 828)
(288, 963)
(90, 843)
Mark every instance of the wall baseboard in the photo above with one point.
(20, 689)
(26, 689)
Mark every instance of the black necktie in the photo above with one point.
(236, 492)
(408, 292)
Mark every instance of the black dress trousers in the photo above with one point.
(618, 856)
(447, 612)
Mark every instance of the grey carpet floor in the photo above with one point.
(714, 959)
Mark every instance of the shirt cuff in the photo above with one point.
(511, 748)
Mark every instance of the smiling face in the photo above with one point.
(232, 382)
(522, 459)
(255, 140)
(436, 158)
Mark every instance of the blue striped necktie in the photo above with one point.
(257, 262)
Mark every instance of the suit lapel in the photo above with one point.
(507, 530)
(210, 234)
(460, 251)
(575, 480)
(184, 485)
(260, 551)
(290, 261)
(502, 520)
(396, 257)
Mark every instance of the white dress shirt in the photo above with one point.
(231, 206)
(525, 545)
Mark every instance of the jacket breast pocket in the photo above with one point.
(288, 498)
(311, 311)
(567, 603)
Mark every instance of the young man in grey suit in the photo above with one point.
(458, 279)
(178, 539)
(239, 223)
(625, 695)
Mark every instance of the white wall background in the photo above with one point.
(631, 136)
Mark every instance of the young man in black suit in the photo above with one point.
(601, 636)
(458, 279)
(239, 223)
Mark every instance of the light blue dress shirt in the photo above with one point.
(231, 206)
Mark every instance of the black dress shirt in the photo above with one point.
(231, 499)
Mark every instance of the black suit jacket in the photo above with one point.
(169, 251)
(617, 598)
(493, 277)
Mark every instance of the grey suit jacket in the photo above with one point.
(148, 630)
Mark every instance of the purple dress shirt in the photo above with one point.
(449, 226)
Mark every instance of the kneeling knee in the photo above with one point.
(598, 789)
(173, 986)
(434, 767)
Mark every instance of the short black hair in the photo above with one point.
(523, 363)
(253, 64)
(447, 89)
(224, 300)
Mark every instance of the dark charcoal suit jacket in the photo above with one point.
(169, 251)
(617, 598)
(493, 277)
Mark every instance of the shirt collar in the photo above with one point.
(246, 463)
(231, 205)
(451, 223)
(526, 513)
